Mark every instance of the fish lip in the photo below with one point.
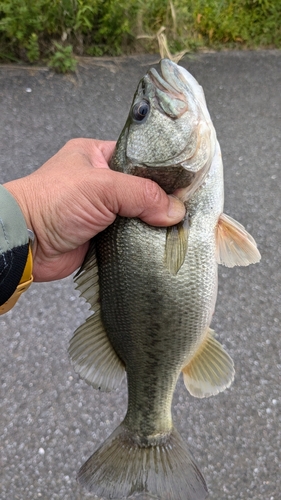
(156, 76)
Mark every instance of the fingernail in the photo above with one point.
(176, 209)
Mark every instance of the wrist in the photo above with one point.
(18, 191)
(22, 194)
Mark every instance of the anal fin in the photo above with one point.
(235, 246)
(210, 371)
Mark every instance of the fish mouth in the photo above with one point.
(161, 76)
(167, 79)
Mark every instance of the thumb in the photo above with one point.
(143, 198)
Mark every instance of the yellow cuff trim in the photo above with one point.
(23, 285)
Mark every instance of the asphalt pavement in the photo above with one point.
(50, 420)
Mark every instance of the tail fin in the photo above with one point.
(121, 468)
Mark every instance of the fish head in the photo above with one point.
(169, 136)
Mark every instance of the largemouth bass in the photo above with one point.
(153, 292)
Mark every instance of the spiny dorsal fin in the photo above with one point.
(210, 371)
(176, 246)
(90, 350)
(87, 279)
(235, 246)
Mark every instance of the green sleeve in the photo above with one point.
(14, 244)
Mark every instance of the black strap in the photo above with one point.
(12, 264)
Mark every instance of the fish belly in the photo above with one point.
(155, 321)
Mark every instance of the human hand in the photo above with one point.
(74, 196)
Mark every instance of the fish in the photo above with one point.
(152, 293)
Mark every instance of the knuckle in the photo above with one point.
(108, 192)
(153, 192)
(71, 143)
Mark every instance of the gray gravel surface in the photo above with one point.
(50, 420)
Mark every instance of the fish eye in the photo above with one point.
(140, 111)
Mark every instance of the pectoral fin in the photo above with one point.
(176, 246)
(235, 246)
(90, 350)
(210, 371)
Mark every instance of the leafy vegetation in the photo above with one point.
(62, 60)
(55, 31)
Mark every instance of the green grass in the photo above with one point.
(54, 31)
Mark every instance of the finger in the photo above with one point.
(98, 152)
(131, 196)
(107, 148)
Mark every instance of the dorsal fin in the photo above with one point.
(93, 356)
(90, 349)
